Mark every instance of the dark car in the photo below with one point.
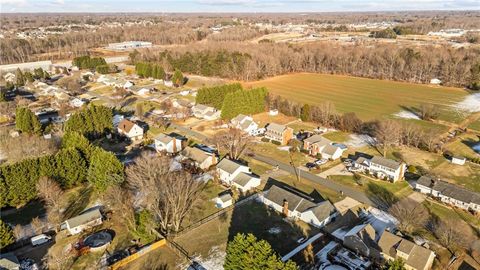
(310, 165)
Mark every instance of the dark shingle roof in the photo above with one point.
(228, 165)
(295, 201)
(450, 190)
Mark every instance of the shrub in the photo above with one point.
(264, 139)
(276, 142)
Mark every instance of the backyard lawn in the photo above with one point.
(368, 98)
(337, 136)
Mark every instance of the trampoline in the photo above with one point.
(99, 240)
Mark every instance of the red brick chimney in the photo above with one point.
(285, 208)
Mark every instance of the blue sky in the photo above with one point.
(232, 5)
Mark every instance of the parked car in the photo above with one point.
(321, 161)
(310, 165)
(354, 169)
(40, 239)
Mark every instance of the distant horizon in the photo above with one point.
(233, 6)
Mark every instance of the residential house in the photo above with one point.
(317, 144)
(233, 173)
(117, 118)
(143, 92)
(201, 159)
(279, 133)
(9, 261)
(182, 104)
(205, 112)
(449, 193)
(295, 205)
(167, 143)
(128, 84)
(361, 239)
(435, 81)
(10, 77)
(224, 200)
(415, 257)
(130, 129)
(245, 123)
(84, 221)
(382, 167)
(273, 112)
(77, 102)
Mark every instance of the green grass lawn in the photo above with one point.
(368, 98)
(445, 212)
(308, 187)
(425, 125)
(271, 150)
(475, 125)
(337, 136)
(305, 126)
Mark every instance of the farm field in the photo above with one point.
(368, 98)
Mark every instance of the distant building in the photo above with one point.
(45, 65)
(279, 133)
(449, 193)
(205, 112)
(273, 112)
(9, 261)
(435, 81)
(415, 257)
(84, 221)
(128, 45)
(458, 160)
(381, 167)
(298, 206)
(130, 129)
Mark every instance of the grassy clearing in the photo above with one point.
(426, 125)
(475, 125)
(337, 136)
(271, 150)
(309, 187)
(445, 212)
(467, 176)
(264, 118)
(400, 189)
(462, 145)
(205, 206)
(161, 258)
(368, 98)
(305, 126)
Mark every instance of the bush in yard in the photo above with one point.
(105, 169)
(6, 235)
(246, 252)
(412, 169)
(264, 139)
(276, 142)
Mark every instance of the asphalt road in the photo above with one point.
(348, 191)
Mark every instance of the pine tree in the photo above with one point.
(305, 115)
(20, 78)
(6, 235)
(71, 167)
(177, 77)
(105, 169)
(26, 121)
(78, 141)
(246, 252)
(397, 264)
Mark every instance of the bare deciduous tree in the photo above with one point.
(428, 111)
(37, 225)
(453, 234)
(19, 232)
(387, 134)
(120, 201)
(410, 214)
(234, 142)
(50, 192)
(25, 146)
(168, 194)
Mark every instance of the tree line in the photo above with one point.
(92, 121)
(245, 61)
(87, 62)
(215, 95)
(244, 102)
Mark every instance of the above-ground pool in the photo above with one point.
(476, 148)
(99, 240)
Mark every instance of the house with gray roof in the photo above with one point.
(168, 144)
(244, 123)
(317, 144)
(235, 174)
(279, 133)
(200, 158)
(84, 221)
(9, 261)
(205, 112)
(296, 205)
(416, 257)
(449, 193)
(381, 167)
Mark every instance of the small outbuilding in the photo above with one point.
(458, 160)
(84, 221)
(224, 200)
(435, 81)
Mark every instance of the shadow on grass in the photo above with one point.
(315, 195)
(78, 202)
(380, 196)
(25, 214)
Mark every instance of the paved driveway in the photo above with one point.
(339, 169)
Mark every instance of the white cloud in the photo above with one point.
(17, 3)
(59, 2)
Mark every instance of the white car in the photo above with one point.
(321, 161)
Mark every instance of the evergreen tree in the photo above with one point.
(178, 78)
(71, 167)
(92, 121)
(244, 102)
(305, 115)
(3, 94)
(102, 69)
(475, 77)
(6, 235)
(76, 140)
(26, 121)
(105, 169)
(214, 96)
(20, 78)
(28, 76)
(246, 252)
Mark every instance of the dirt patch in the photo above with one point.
(450, 170)
(264, 118)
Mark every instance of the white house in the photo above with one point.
(458, 160)
(184, 92)
(128, 84)
(244, 123)
(166, 143)
(205, 112)
(238, 175)
(84, 221)
(10, 77)
(295, 205)
(143, 92)
(449, 193)
(273, 112)
(117, 118)
(381, 167)
(168, 83)
(200, 158)
(130, 129)
(317, 144)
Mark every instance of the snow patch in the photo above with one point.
(359, 140)
(214, 261)
(284, 148)
(471, 103)
(407, 115)
(274, 230)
